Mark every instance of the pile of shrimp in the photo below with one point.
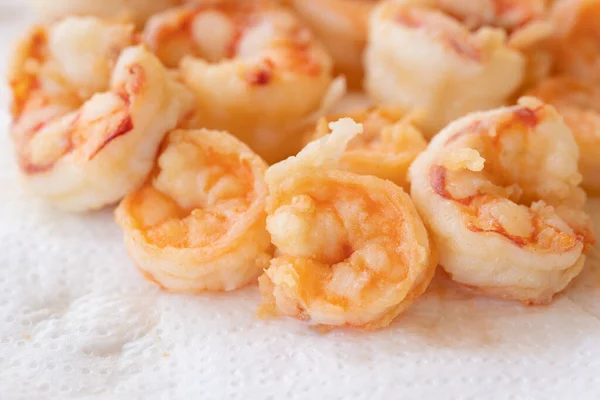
(255, 61)
(454, 57)
(334, 152)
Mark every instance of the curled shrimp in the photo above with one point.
(388, 145)
(135, 10)
(500, 193)
(579, 103)
(342, 27)
(576, 48)
(418, 56)
(257, 72)
(352, 250)
(89, 112)
(198, 223)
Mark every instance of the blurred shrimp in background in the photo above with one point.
(134, 10)
(257, 71)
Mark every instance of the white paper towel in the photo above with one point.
(78, 321)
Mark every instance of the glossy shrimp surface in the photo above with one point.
(135, 10)
(255, 69)
(342, 27)
(198, 223)
(579, 103)
(418, 56)
(352, 250)
(89, 112)
(577, 38)
(500, 193)
(388, 145)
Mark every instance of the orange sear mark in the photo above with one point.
(564, 241)
(260, 77)
(499, 229)
(124, 126)
(459, 44)
(527, 116)
(437, 179)
(463, 49)
(407, 20)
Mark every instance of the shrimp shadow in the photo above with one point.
(452, 317)
(449, 315)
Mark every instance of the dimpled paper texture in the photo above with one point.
(78, 321)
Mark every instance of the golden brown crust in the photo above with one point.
(352, 250)
(387, 147)
(208, 237)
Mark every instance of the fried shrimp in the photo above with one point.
(88, 112)
(500, 193)
(418, 56)
(526, 23)
(198, 223)
(577, 38)
(256, 71)
(579, 104)
(135, 10)
(352, 250)
(388, 145)
(510, 15)
(342, 27)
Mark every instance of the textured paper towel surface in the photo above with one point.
(77, 321)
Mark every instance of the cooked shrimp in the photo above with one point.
(352, 250)
(89, 113)
(526, 23)
(342, 27)
(577, 38)
(510, 15)
(389, 143)
(255, 70)
(500, 192)
(420, 57)
(135, 10)
(579, 104)
(198, 223)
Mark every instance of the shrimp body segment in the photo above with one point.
(352, 250)
(420, 57)
(198, 223)
(579, 103)
(500, 193)
(257, 72)
(89, 112)
(388, 145)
